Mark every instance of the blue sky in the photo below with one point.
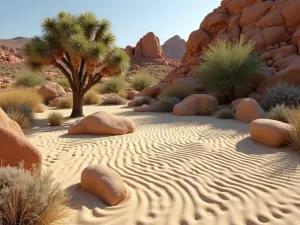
(130, 19)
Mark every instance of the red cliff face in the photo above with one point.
(174, 48)
(274, 26)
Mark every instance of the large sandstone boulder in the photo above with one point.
(195, 104)
(153, 91)
(106, 183)
(248, 110)
(174, 48)
(51, 90)
(8, 124)
(102, 123)
(149, 46)
(271, 133)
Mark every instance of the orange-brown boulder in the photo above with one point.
(268, 132)
(104, 182)
(102, 123)
(129, 50)
(153, 91)
(131, 93)
(9, 124)
(195, 104)
(50, 90)
(143, 108)
(40, 108)
(55, 102)
(248, 110)
(149, 46)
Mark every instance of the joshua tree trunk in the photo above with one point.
(77, 105)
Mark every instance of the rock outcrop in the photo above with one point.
(11, 50)
(50, 91)
(272, 25)
(174, 48)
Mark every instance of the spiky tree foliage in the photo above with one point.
(229, 65)
(82, 47)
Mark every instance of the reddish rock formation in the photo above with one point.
(11, 50)
(149, 46)
(272, 25)
(174, 48)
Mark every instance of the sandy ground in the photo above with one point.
(178, 170)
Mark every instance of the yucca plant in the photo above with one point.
(82, 47)
(229, 65)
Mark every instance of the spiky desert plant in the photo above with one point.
(142, 80)
(141, 100)
(225, 113)
(65, 103)
(55, 118)
(27, 199)
(279, 112)
(91, 98)
(29, 80)
(63, 82)
(113, 85)
(281, 93)
(82, 47)
(179, 91)
(227, 66)
(164, 104)
(293, 135)
(114, 99)
(22, 114)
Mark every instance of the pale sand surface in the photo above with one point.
(178, 170)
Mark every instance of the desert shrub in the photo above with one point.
(142, 80)
(164, 104)
(280, 113)
(113, 85)
(22, 114)
(122, 94)
(114, 99)
(63, 82)
(14, 97)
(206, 111)
(55, 118)
(229, 65)
(141, 100)
(178, 91)
(281, 93)
(29, 80)
(27, 199)
(65, 103)
(91, 98)
(293, 134)
(225, 114)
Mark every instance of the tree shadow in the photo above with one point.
(79, 198)
(283, 162)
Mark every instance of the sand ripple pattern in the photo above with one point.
(179, 170)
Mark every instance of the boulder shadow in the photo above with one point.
(79, 198)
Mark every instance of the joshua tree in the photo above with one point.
(82, 47)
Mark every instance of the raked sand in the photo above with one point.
(178, 170)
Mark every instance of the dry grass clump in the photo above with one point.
(178, 91)
(280, 113)
(29, 80)
(112, 85)
(141, 100)
(91, 98)
(114, 99)
(22, 114)
(55, 118)
(164, 104)
(27, 199)
(63, 82)
(293, 135)
(65, 103)
(142, 80)
(225, 113)
(15, 97)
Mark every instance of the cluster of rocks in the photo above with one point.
(10, 55)
(5, 82)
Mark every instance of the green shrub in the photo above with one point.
(63, 82)
(225, 114)
(15, 97)
(22, 114)
(91, 98)
(113, 85)
(280, 113)
(164, 104)
(281, 93)
(65, 103)
(142, 80)
(178, 91)
(141, 100)
(55, 118)
(293, 135)
(29, 80)
(114, 99)
(27, 199)
(229, 65)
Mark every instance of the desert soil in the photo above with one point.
(178, 170)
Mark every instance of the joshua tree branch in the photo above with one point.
(92, 81)
(67, 63)
(84, 79)
(66, 73)
(81, 70)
